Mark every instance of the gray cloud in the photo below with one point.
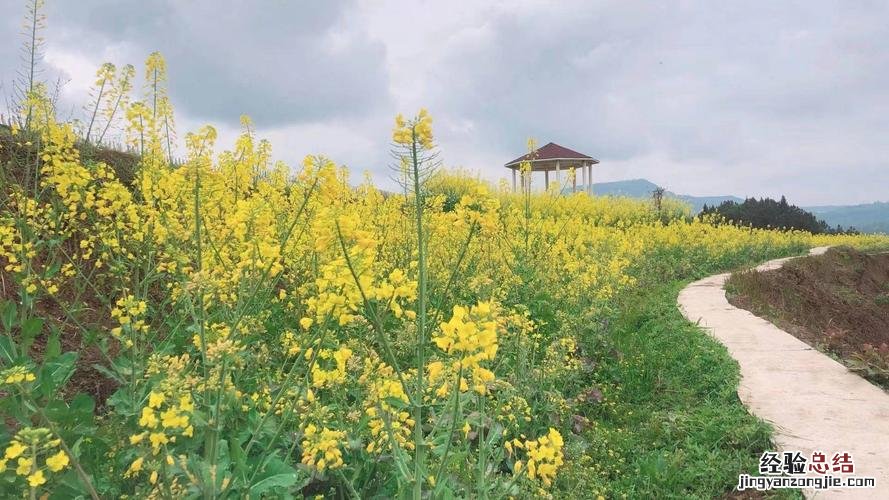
(279, 62)
(748, 98)
(760, 98)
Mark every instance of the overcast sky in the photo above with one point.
(705, 98)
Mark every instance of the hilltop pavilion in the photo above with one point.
(555, 158)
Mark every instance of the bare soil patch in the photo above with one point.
(837, 302)
(87, 378)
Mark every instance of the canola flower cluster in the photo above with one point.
(470, 336)
(25, 451)
(17, 375)
(267, 330)
(346, 283)
(544, 456)
(385, 408)
(129, 314)
(419, 129)
(336, 374)
(321, 447)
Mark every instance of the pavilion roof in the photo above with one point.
(551, 152)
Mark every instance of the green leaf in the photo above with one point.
(284, 480)
(53, 345)
(7, 315)
(7, 349)
(109, 373)
(57, 411)
(275, 474)
(83, 404)
(68, 486)
(56, 373)
(122, 402)
(52, 270)
(78, 413)
(30, 328)
(396, 403)
(239, 458)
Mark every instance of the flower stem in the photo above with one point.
(421, 324)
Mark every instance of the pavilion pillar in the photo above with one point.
(558, 177)
(514, 188)
(574, 182)
(546, 179)
(590, 177)
(583, 174)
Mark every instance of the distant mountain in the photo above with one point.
(697, 202)
(867, 218)
(635, 188)
(642, 188)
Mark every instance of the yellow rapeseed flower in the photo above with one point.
(58, 461)
(24, 466)
(36, 479)
(148, 418)
(157, 440)
(155, 399)
(136, 466)
(15, 449)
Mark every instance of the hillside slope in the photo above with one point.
(868, 218)
(642, 188)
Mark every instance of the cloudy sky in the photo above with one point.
(706, 98)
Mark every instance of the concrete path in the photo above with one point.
(813, 402)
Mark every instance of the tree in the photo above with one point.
(768, 213)
(657, 197)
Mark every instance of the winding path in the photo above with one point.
(813, 401)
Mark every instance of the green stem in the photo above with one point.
(95, 110)
(33, 490)
(32, 66)
(453, 423)
(482, 451)
(419, 446)
(110, 117)
(348, 484)
(74, 461)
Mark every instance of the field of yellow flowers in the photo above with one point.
(229, 326)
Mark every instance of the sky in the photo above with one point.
(750, 98)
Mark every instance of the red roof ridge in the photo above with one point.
(552, 151)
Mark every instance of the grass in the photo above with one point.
(670, 424)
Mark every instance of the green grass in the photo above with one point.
(670, 424)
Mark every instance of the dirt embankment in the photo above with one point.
(837, 302)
